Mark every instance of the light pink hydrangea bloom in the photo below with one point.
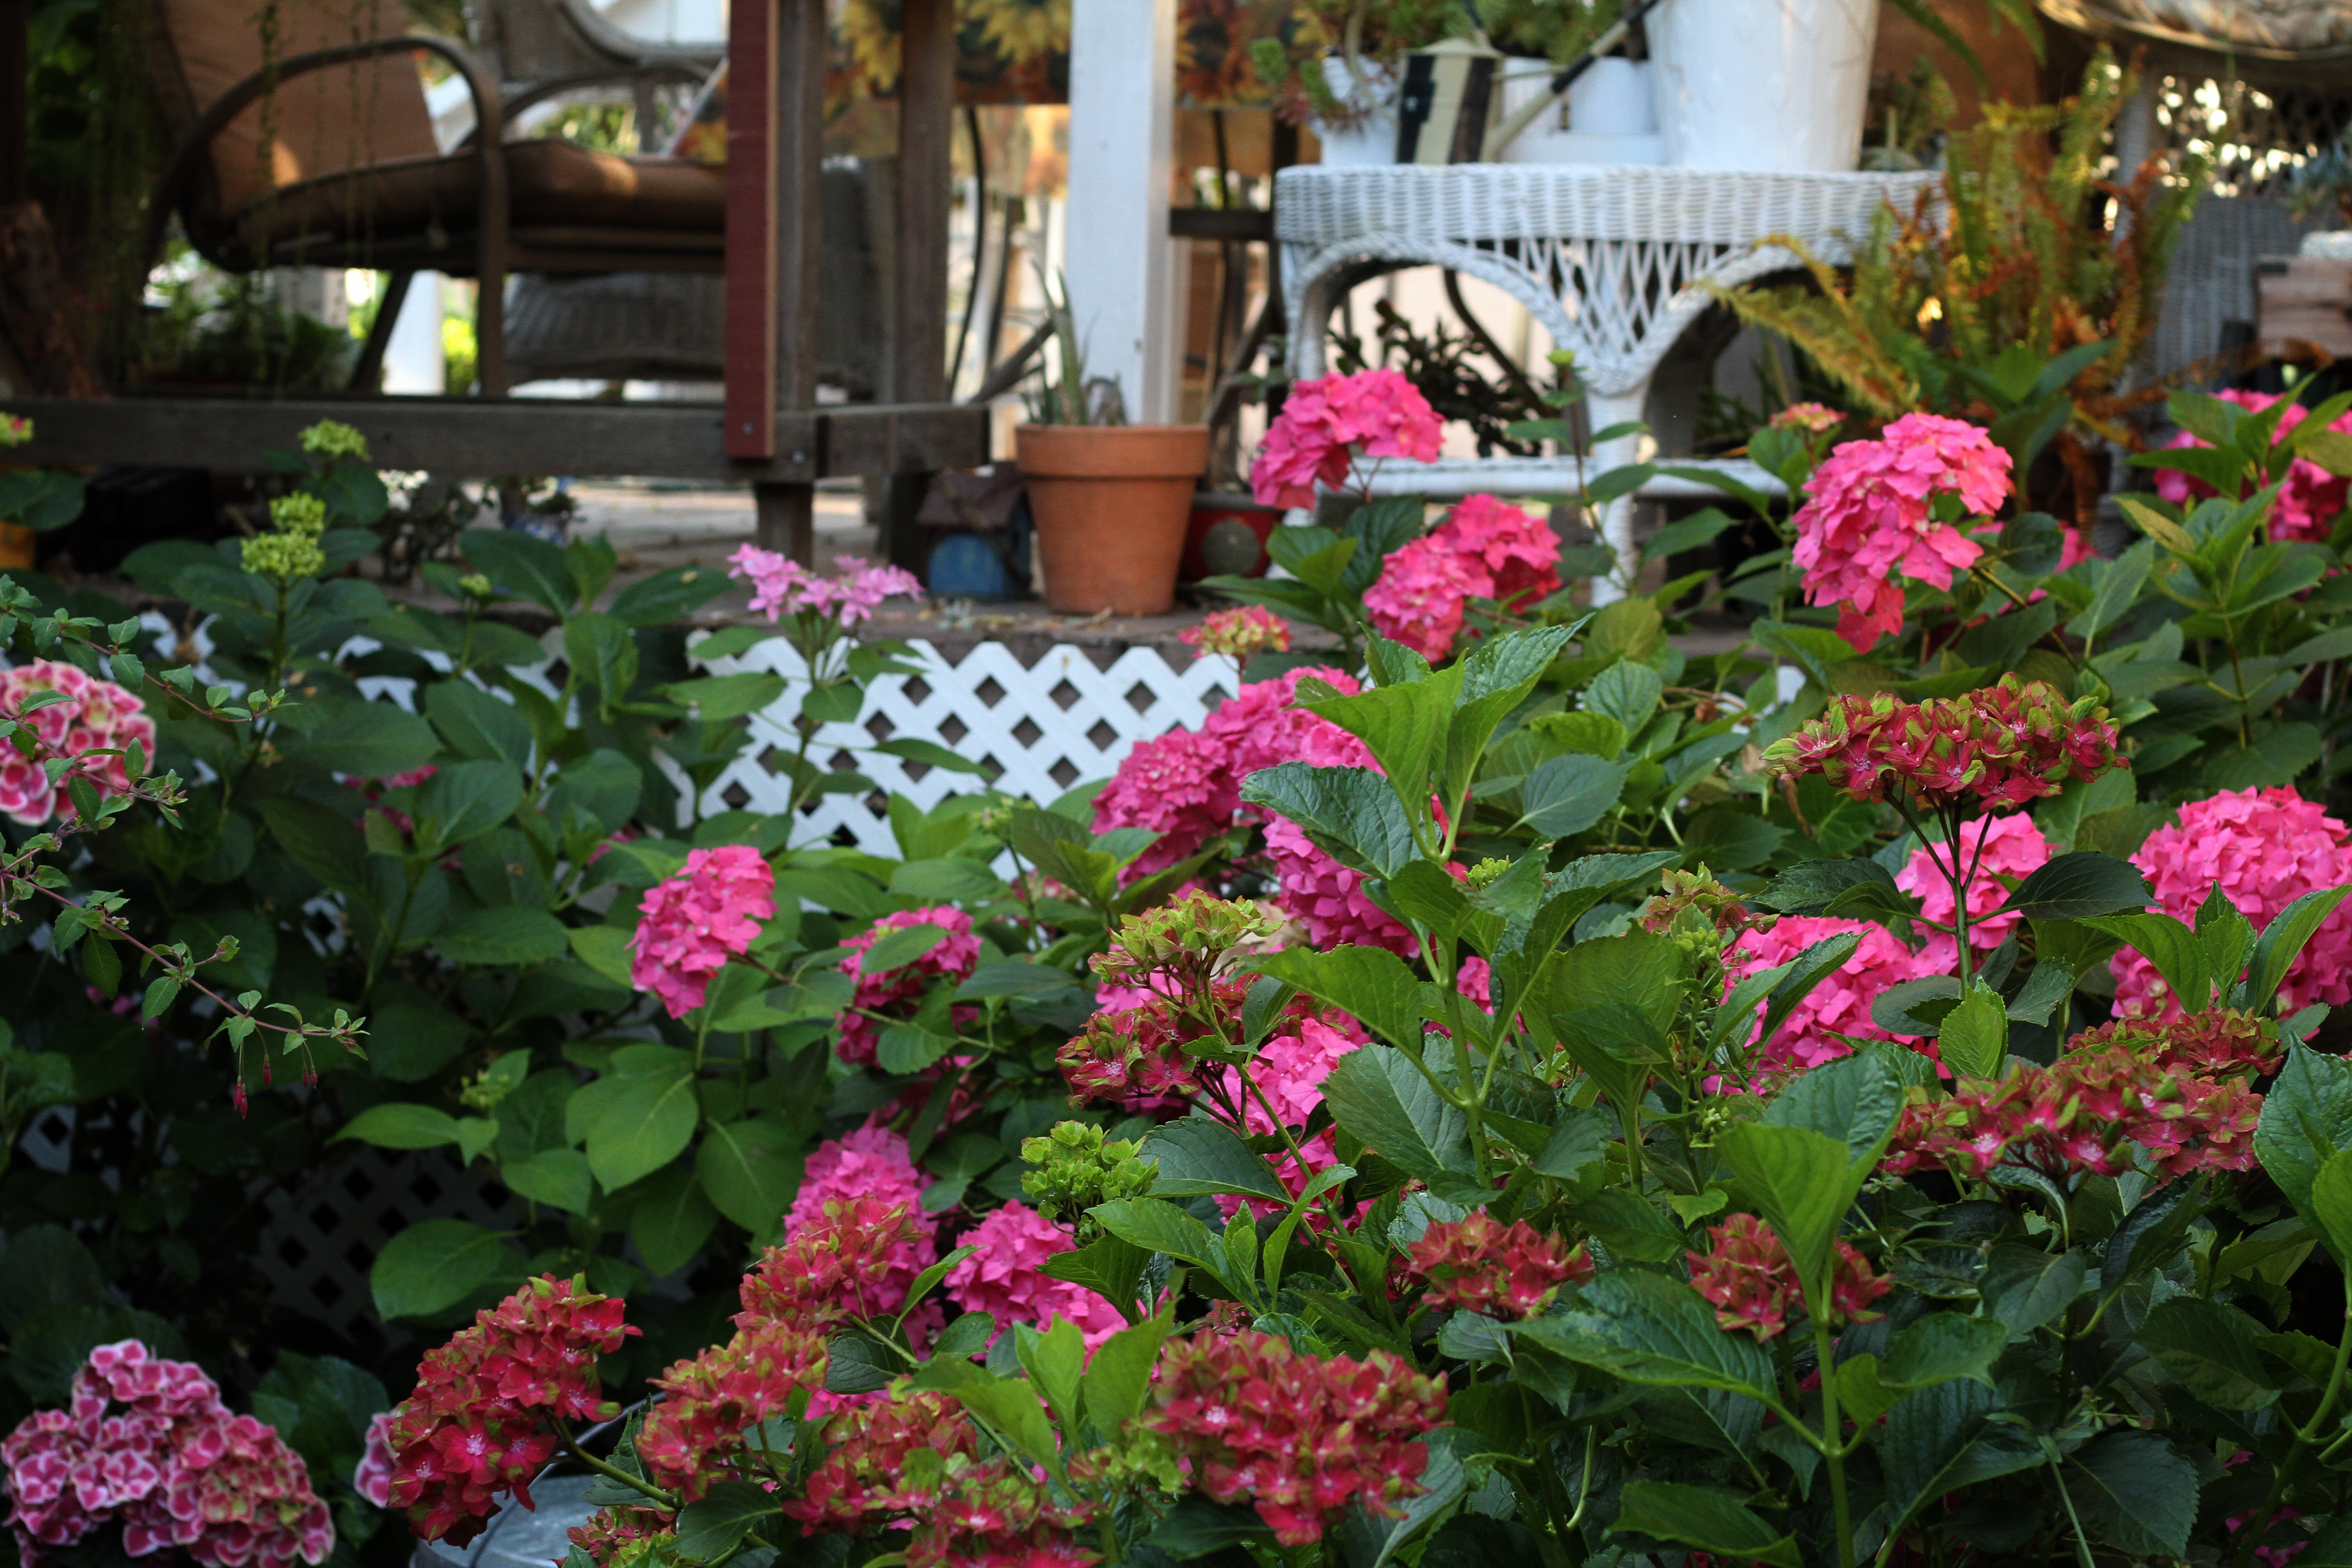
(690, 925)
(98, 715)
(1866, 519)
(2308, 499)
(1328, 898)
(782, 587)
(1002, 1278)
(870, 1163)
(955, 957)
(1840, 1005)
(1476, 980)
(1485, 549)
(372, 1479)
(1324, 421)
(148, 1442)
(1996, 846)
(2266, 848)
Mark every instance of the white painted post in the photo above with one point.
(1121, 262)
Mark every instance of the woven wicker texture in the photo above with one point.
(1609, 258)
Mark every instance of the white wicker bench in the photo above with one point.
(1611, 261)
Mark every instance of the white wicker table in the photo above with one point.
(1611, 259)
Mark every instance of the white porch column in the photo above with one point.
(1122, 261)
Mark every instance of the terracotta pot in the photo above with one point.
(1111, 502)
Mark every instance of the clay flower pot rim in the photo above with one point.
(1112, 451)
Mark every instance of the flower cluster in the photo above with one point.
(1869, 516)
(847, 1188)
(1299, 1435)
(715, 1396)
(2075, 1117)
(1285, 1087)
(2263, 848)
(856, 1258)
(1135, 1056)
(15, 430)
(1074, 1167)
(1836, 1011)
(97, 716)
(2002, 746)
(1240, 635)
(1749, 1276)
(1813, 418)
(148, 1442)
(1486, 549)
(1003, 1279)
(331, 440)
(2309, 496)
(2217, 1043)
(478, 1422)
(1324, 422)
(293, 551)
(1502, 1270)
(1179, 945)
(1989, 848)
(896, 992)
(690, 926)
(911, 1462)
(620, 1537)
(782, 587)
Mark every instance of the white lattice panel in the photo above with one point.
(1039, 730)
(320, 1241)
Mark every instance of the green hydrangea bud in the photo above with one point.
(1074, 1167)
(331, 439)
(1488, 872)
(282, 557)
(299, 513)
(476, 584)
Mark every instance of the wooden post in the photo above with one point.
(16, 89)
(775, 130)
(917, 359)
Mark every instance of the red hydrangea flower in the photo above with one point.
(1323, 423)
(859, 1485)
(620, 1533)
(2002, 746)
(1486, 549)
(1866, 519)
(897, 992)
(1749, 1275)
(2263, 848)
(690, 1436)
(1134, 1056)
(2217, 1043)
(478, 1422)
(1300, 1437)
(2309, 498)
(690, 925)
(855, 1256)
(1502, 1270)
(1003, 1278)
(148, 1442)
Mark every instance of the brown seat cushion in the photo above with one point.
(549, 182)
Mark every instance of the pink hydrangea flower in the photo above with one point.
(1180, 787)
(869, 1162)
(2265, 849)
(782, 587)
(2308, 499)
(955, 957)
(1484, 550)
(1262, 726)
(1289, 1071)
(1866, 519)
(372, 1479)
(1323, 422)
(1840, 1005)
(148, 1442)
(1002, 1278)
(98, 715)
(1995, 847)
(690, 925)
(1813, 418)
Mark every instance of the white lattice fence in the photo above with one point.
(1037, 730)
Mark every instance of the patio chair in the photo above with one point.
(327, 158)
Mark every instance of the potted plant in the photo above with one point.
(1111, 499)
